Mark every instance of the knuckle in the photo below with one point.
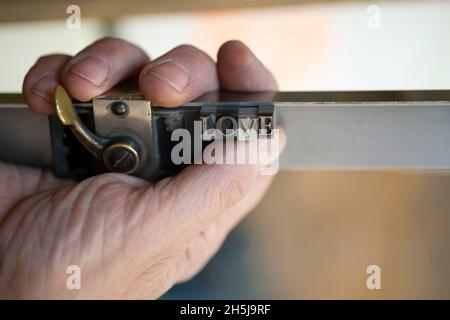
(50, 57)
(187, 47)
(108, 44)
(116, 43)
(110, 40)
(190, 50)
(42, 59)
(231, 44)
(113, 44)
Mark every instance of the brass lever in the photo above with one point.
(69, 117)
(119, 154)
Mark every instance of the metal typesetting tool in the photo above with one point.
(122, 132)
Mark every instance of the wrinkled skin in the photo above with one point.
(131, 239)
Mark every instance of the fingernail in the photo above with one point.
(44, 87)
(235, 191)
(93, 68)
(171, 72)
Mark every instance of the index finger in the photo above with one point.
(100, 66)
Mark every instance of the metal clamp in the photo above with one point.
(123, 129)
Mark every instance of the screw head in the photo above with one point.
(121, 157)
(119, 108)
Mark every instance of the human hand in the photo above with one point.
(130, 238)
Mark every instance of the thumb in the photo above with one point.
(190, 201)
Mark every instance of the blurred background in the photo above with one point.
(315, 232)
